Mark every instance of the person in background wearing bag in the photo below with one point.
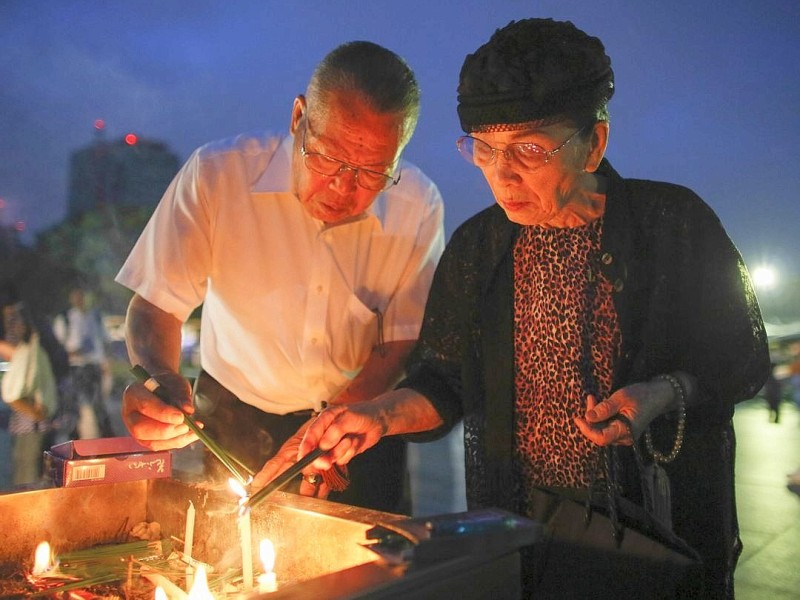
(29, 388)
(582, 314)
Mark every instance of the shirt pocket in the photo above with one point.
(355, 337)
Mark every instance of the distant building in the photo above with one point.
(129, 171)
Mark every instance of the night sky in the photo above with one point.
(708, 94)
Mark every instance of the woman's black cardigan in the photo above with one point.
(684, 302)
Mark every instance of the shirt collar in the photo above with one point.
(277, 177)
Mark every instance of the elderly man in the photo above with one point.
(312, 255)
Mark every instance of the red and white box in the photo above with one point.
(79, 463)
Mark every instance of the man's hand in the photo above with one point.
(153, 339)
(154, 424)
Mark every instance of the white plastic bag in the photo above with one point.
(30, 376)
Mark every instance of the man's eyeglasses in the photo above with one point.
(525, 155)
(331, 167)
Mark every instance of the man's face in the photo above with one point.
(342, 127)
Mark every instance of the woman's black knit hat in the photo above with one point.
(534, 70)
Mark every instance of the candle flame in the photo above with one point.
(42, 559)
(266, 551)
(160, 593)
(237, 488)
(200, 589)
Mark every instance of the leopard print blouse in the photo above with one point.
(566, 336)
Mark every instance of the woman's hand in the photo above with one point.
(624, 415)
(312, 483)
(343, 431)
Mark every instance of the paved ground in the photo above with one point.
(769, 512)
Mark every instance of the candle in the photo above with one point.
(247, 552)
(245, 537)
(188, 538)
(188, 541)
(267, 581)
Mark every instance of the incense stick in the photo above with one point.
(232, 464)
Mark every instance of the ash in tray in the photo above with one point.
(131, 570)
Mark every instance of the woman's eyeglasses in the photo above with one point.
(525, 155)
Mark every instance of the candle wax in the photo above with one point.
(267, 583)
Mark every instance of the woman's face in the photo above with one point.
(560, 193)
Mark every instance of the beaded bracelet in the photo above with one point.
(658, 457)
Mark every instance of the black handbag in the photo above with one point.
(607, 547)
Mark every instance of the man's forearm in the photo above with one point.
(152, 336)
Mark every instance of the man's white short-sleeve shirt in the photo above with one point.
(290, 304)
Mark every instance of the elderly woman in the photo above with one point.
(583, 310)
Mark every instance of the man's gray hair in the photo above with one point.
(381, 76)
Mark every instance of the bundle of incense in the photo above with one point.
(239, 470)
(281, 480)
(58, 589)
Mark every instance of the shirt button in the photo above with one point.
(319, 289)
(607, 258)
(313, 341)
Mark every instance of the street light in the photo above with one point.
(765, 277)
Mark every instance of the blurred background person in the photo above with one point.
(772, 392)
(81, 331)
(29, 389)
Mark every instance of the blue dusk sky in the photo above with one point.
(708, 95)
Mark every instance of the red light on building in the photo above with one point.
(131, 139)
(99, 124)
